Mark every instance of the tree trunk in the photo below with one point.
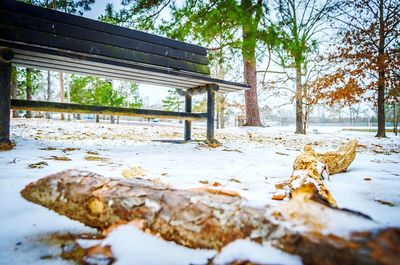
(222, 111)
(14, 89)
(395, 118)
(217, 114)
(112, 119)
(28, 90)
(97, 118)
(381, 74)
(62, 93)
(48, 96)
(250, 95)
(78, 116)
(305, 121)
(249, 43)
(199, 219)
(299, 103)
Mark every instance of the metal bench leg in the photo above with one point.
(6, 55)
(210, 114)
(188, 124)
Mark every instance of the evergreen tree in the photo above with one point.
(28, 84)
(173, 102)
(238, 25)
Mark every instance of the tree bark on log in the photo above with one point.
(338, 161)
(197, 219)
(191, 218)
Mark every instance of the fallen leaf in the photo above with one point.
(133, 172)
(282, 154)
(40, 164)
(280, 185)
(279, 197)
(95, 158)
(232, 150)
(49, 148)
(203, 182)
(99, 254)
(70, 149)
(218, 191)
(60, 158)
(367, 178)
(385, 202)
(7, 146)
(235, 180)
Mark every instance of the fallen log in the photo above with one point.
(191, 218)
(338, 161)
(317, 232)
(314, 168)
(307, 169)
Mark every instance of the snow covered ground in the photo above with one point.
(250, 162)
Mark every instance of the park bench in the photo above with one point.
(41, 38)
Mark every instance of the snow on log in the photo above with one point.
(303, 225)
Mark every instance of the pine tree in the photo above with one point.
(238, 25)
(173, 102)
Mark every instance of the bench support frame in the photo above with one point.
(211, 113)
(5, 94)
(188, 124)
(6, 103)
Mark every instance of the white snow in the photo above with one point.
(246, 250)
(250, 162)
(134, 247)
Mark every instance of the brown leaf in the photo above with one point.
(40, 164)
(60, 158)
(218, 191)
(279, 197)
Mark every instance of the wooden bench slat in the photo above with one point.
(151, 74)
(27, 9)
(22, 35)
(78, 32)
(84, 69)
(91, 109)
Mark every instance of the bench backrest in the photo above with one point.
(33, 26)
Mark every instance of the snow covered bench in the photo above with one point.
(36, 37)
